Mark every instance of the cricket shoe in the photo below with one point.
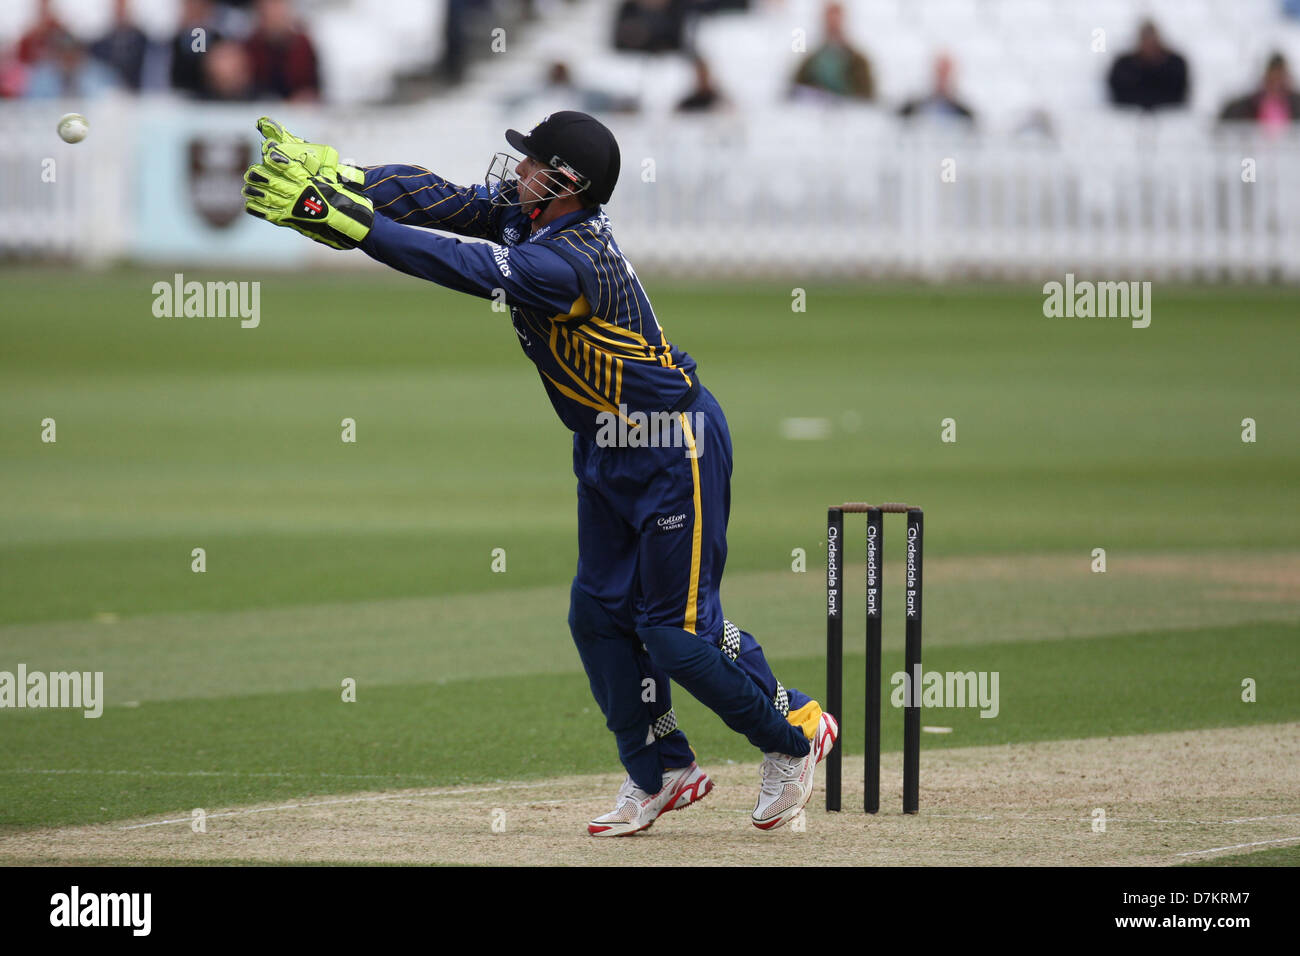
(787, 782)
(635, 810)
(828, 731)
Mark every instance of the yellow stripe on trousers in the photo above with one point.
(693, 593)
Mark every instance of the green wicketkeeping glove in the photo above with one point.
(282, 191)
(320, 160)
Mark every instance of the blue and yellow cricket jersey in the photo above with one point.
(580, 313)
(652, 521)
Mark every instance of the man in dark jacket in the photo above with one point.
(1151, 76)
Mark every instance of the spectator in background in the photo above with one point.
(650, 26)
(187, 71)
(1273, 106)
(67, 71)
(559, 82)
(283, 57)
(560, 92)
(13, 78)
(835, 66)
(123, 47)
(227, 73)
(723, 6)
(941, 101)
(705, 97)
(33, 46)
(459, 22)
(1151, 76)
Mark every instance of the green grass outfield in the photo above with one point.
(1278, 856)
(372, 561)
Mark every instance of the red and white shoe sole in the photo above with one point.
(784, 818)
(600, 829)
(828, 731)
(693, 792)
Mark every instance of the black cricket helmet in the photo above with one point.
(579, 149)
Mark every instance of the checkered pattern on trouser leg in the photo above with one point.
(665, 724)
(781, 700)
(730, 642)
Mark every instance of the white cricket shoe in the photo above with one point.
(787, 782)
(635, 810)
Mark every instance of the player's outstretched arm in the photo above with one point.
(529, 275)
(414, 196)
(408, 194)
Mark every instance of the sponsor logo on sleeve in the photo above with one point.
(502, 256)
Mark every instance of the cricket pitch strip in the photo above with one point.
(1148, 800)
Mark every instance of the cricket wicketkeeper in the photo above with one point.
(652, 520)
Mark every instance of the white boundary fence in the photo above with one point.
(840, 192)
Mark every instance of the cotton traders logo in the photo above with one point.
(511, 235)
(671, 522)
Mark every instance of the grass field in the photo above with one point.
(372, 560)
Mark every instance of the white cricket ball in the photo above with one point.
(73, 128)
